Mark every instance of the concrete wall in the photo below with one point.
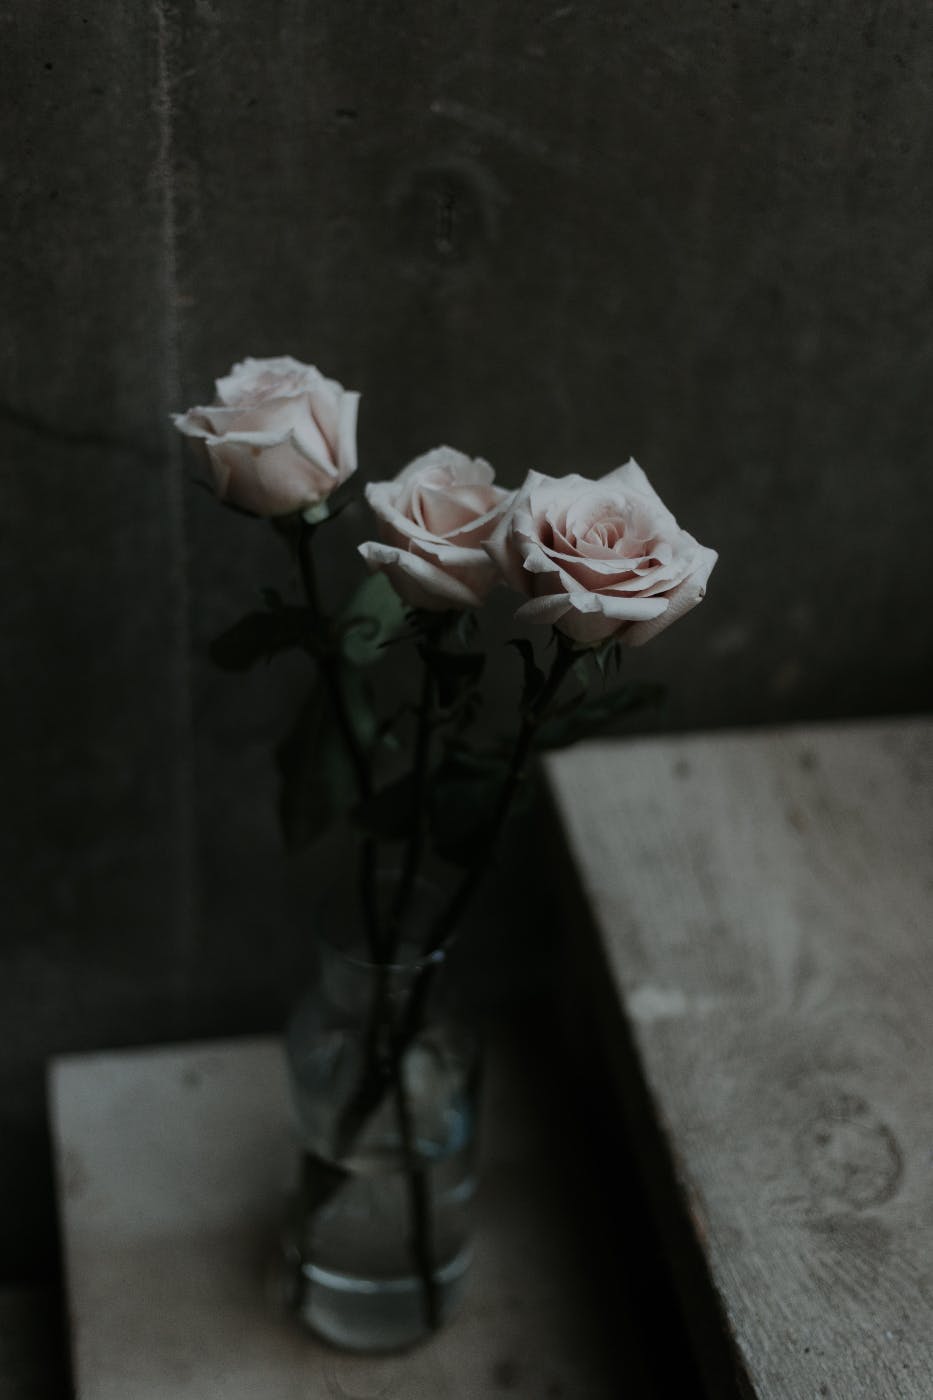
(696, 231)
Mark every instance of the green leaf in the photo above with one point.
(534, 676)
(370, 620)
(588, 717)
(260, 636)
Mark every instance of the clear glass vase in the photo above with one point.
(385, 1073)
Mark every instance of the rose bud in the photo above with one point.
(280, 438)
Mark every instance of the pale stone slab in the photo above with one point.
(763, 911)
(174, 1165)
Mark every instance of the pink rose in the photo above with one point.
(280, 438)
(434, 519)
(600, 559)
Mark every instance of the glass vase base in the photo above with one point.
(376, 1315)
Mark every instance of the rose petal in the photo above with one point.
(436, 510)
(419, 582)
(324, 400)
(311, 443)
(252, 381)
(686, 596)
(458, 465)
(548, 608)
(451, 555)
(447, 510)
(268, 451)
(346, 433)
(602, 557)
(588, 629)
(623, 609)
(193, 423)
(630, 478)
(395, 527)
(506, 558)
(478, 531)
(268, 481)
(536, 559)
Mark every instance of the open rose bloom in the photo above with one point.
(434, 519)
(280, 438)
(600, 560)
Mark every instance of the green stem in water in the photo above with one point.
(419, 1198)
(383, 1072)
(433, 630)
(534, 713)
(378, 1075)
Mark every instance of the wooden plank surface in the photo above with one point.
(763, 903)
(174, 1166)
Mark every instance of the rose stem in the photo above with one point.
(415, 1176)
(376, 1081)
(374, 1086)
(322, 651)
(453, 912)
(534, 713)
(419, 1200)
(433, 627)
(392, 933)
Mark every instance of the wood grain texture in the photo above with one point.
(763, 903)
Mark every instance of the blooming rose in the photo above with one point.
(280, 438)
(600, 559)
(434, 519)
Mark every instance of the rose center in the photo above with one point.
(445, 510)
